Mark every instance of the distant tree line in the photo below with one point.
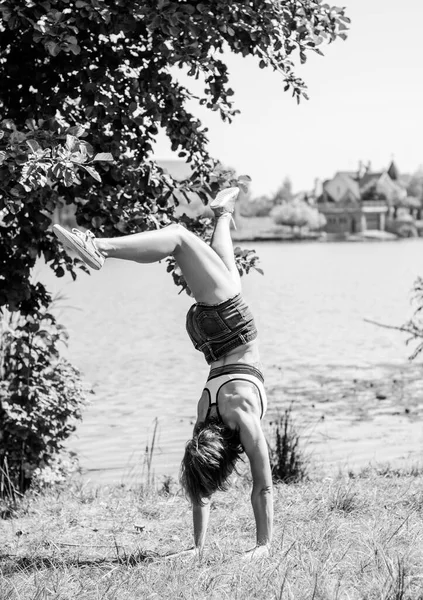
(285, 208)
(297, 211)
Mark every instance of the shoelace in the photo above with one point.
(83, 236)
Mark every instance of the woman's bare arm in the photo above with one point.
(200, 516)
(255, 446)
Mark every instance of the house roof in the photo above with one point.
(342, 187)
(393, 171)
(370, 178)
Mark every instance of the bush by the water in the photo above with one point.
(256, 207)
(41, 398)
(403, 226)
(288, 460)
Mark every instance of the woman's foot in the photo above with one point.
(225, 201)
(83, 243)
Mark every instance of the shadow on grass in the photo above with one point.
(10, 564)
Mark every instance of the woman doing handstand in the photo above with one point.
(221, 326)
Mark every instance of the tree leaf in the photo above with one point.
(77, 130)
(34, 145)
(104, 157)
(97, 222)
(92, 172)
(75, 49)
(71, 142)
(53, 48)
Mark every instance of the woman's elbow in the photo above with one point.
(262, 491)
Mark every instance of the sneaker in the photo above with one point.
(82, 243)
(225, 201)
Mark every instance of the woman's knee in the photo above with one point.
(178, 234)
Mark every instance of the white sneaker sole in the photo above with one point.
(70, 241)
(225, 197)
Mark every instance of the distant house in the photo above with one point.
(340, 202)
(382, 186)
(357, 201)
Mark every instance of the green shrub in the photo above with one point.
(403, 227)
(288, 461)
(41, 397)
(298, 214)
(256, 207)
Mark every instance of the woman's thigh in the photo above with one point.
(204, 271)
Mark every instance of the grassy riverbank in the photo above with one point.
(358, 537)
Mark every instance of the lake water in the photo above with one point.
(355, 396)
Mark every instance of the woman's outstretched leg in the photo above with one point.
(221, 243)
(223, 207)
(204, 271)
(145, 247)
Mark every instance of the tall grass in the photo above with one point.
(147, 471)
(288, 460)
(339, 538)
(9, 495)
(358, 537)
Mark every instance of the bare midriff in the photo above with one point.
(246, 354)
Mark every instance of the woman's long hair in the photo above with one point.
(209, 460)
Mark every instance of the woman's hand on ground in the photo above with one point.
(191, 553)
(256, 553)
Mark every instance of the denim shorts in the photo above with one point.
(216, 329)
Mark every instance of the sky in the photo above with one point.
(366, 103)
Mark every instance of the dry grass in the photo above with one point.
(340, 538)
